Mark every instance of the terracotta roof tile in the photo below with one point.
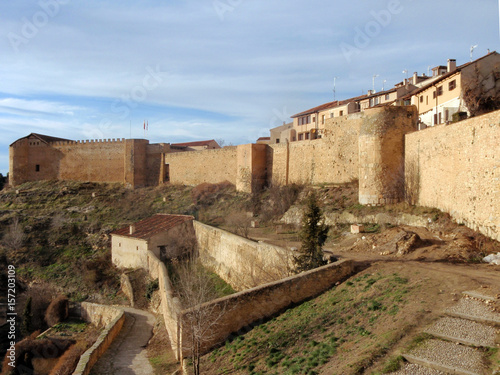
(146, 228)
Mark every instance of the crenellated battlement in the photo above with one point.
(88, 142)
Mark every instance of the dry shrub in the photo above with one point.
(41, 295)
(68, 361)
(239, 222)
(206, 194)
(280, 199)
(57, 311)
(29, 349)
(100, 272)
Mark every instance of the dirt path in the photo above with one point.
(127, 353)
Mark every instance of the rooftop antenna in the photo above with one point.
(472, 48)
(383, 84)
(428, 71)
(406, 72)
(334, 87)
(374, 76)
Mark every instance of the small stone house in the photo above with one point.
(167, 236)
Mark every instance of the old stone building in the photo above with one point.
(167, 236)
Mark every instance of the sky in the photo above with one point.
(214, 69)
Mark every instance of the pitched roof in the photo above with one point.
(329, 105)
(264, 139)
(158, 223)
(44, 138)
(447, 75)
(194, 144)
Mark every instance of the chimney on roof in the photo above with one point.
(132, 228)
(452, 65)
(370, 92)
(415, 78)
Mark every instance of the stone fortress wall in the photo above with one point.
(133, 162)
(456, 168)
(457, 164)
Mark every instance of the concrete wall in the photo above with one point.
(456, 168)
(242, 263)
(113, 319)
(254, 305)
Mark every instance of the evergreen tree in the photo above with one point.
(313, 235)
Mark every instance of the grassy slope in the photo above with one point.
(67, 229)
(343, 331)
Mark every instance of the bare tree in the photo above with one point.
(15, 237)
(480, 94)
(240, 222)
(200, 319)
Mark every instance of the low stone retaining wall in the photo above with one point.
(170, 306)
(294, 216)
(112, 318)
(241, 262)
(252, 306)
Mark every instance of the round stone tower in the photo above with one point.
(381, 153)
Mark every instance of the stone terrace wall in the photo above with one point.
(254, 305)
(332, 159)
(239, 261)
(170, 306)
(195, 167)
(456, 168)
(113, 319)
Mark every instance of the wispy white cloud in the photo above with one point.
(222, 77)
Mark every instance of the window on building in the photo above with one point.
(427, 99)
(294, 139)
(421, 99)
(446, 115)
(435, 119)
(307, 135)
(308, 120)
(452, 85)
(439, 118)
(323, 119)
(277, 140)
(37, 168)
(387, 96)
(314, 118)
(331, 115)
(137, 247)
(434, 95)
(301, 136)
(341, 113)
(119, 244)
(440, 91)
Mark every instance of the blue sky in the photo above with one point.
(223, 69)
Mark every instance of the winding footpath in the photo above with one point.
(127, 353)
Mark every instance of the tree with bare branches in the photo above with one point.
(200, 319)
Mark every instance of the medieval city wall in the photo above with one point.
(195, 167)
(331, 159)
(90, 161)
(456, 168)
